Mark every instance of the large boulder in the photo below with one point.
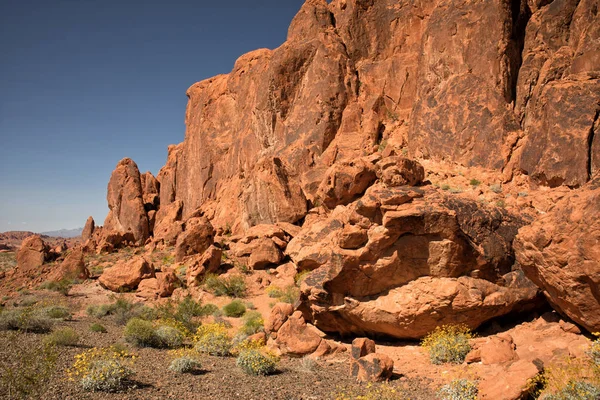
(560, 252)
(429, 259)
(199, 234)
(126, 203)
(127, 274)
(72, 267)
(345, 182)
(32, 254)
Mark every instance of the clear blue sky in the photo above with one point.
(84, 83)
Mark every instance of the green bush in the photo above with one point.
(253, 323)
(122, 310)
(141, 333)
(257, 362)
(57, 312)
(300, 276)
(213, 339)
(184, 365)
(475, 182)
(63, 337)
(25, 319)
(96, 327)
(234, 309)
(459, 389)
(233, 286)
(169, 337)
(289, 294)
(185, 312)
(448, 344)
(63, 286)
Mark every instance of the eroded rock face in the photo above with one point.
(126, 203)
(150, 191)
(560, 252)
(558, 93)
(429, 259)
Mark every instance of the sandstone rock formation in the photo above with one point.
(88, 229)
(32, 254)
(428, 260)
(324, 133)
(126, 203)
(560, 252)
(355, 75)
(72, 267)
(197, 237)
(127, 274)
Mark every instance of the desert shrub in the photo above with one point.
(213, 339)
(102, 369)
(122, 310)
(459, 389)
(594, 352)
(25, 319)
(96, 327)
(496, 188)
(300, 276)
(448, 344)
(57, 312)
(184, 313)
(141, 333)
(474, 182)
(257, 362)
(308, 364)
(445, 186)
(184, 363)
(169, 337)
(372, 391)
(575, 390)
(25, 367)
(569, 379)
(27, 301)
(234, 309)
(253, 323)
(63, 286)
(289, 294)
(63, 337)
(232, 286)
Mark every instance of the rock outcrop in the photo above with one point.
(503, 85)
(330, 132)
(88, 229)
(560, 252)
(126, 203)
(428, 260)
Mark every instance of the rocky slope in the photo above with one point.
(323, 131)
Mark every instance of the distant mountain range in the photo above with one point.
(64, 233)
